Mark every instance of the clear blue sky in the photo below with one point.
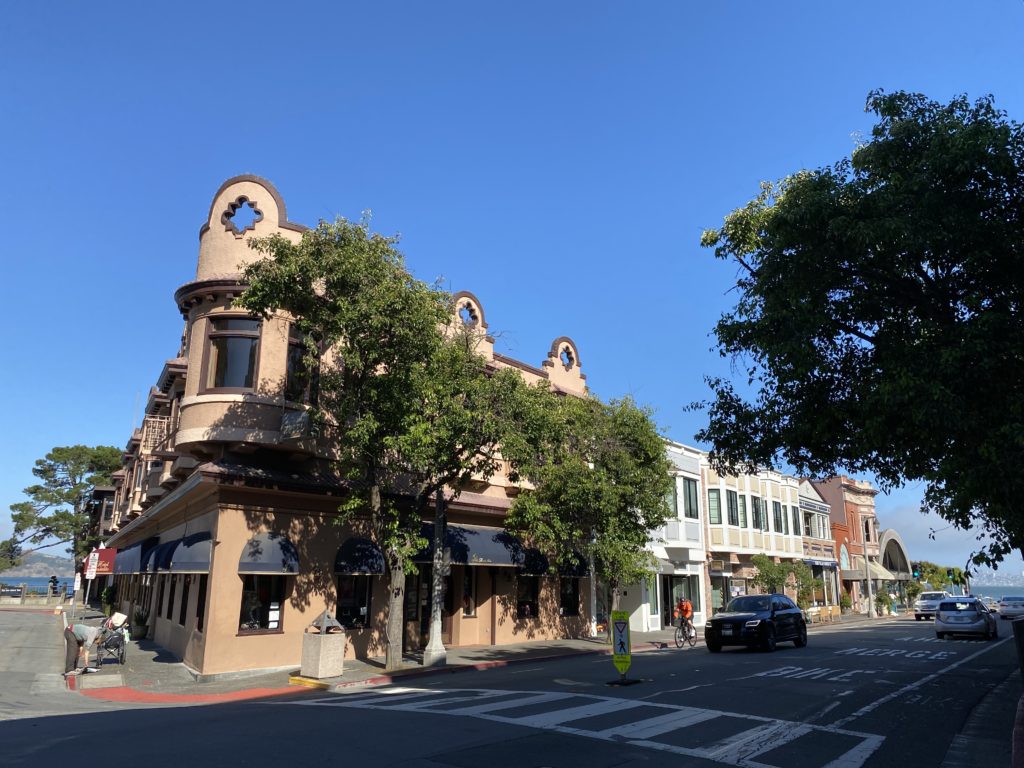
(559, 160)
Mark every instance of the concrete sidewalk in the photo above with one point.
(151, 675)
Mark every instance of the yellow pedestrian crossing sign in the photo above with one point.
(620, 641)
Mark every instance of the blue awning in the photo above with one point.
(483, 545)
(822, 563)
(160, 559)
(358, 555)
(192, 554)
(269, 553)
(127, 560)
(131, 559)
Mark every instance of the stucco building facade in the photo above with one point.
(225, 513)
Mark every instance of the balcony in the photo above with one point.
(155, 431)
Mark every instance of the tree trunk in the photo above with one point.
(396, 600)
(616, 594)
(393, 629)
(434, 654)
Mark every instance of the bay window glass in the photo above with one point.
(714, 506)
(779, 518)
(690, 499)
(760, 523)
(231, 362)
(300, 379)
(743, 511)
(731, 500)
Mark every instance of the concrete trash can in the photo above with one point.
(323, 655)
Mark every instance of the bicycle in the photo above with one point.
(685, 633)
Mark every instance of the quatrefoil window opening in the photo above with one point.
(567, 358)
(468, 315)
(241, 215)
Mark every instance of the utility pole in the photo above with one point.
(872, 614)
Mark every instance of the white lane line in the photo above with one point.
(739, 749)
(546, 719)
(868, 708)
(655, 726)
(539, 698)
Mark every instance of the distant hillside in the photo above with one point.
(39, 564)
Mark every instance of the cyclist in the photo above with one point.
(684, 612)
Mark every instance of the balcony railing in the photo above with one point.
(154, 431)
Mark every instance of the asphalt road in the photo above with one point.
(874, 695)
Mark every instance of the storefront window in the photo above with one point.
(569, 590)
(353, 601)
(527, 590)
(170, 597)
(262, 600)
(186, 583)
(468, 592)
(201, 601)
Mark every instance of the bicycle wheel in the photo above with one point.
(691, 635)
(679, 637)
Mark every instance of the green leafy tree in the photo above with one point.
(777, 577)
(55, 511)
(770, 576)
(404, 405)
(600, 479)
(10, 554)
(879, 316)
(938, 575)
(914, 589)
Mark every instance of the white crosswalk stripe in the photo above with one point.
(745, 740)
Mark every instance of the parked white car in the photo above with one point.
(965, 616)
(927, 604)
(1011, 606)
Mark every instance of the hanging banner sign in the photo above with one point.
(621, 650)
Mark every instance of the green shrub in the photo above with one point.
(845, 602)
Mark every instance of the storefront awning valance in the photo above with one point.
(821, 563)
(270, 554)
(192, 554)
(160, 558)
(131, 559)
(128, 560)
(357, 556)
(879, 572)
(483, 545)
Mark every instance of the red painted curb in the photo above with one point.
(131, 695)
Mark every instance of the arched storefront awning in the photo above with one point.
(359, 556)
(269, 554)
(192, 554)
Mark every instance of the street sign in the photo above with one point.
(620, 641)
(78, 581)
(90, 565)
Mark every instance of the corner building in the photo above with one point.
(224, 513)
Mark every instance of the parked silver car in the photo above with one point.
(965, 616)
(927, 604)
(1011, 606)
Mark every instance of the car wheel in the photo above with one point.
(800, 641)
(714, 647)
(768, 639)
